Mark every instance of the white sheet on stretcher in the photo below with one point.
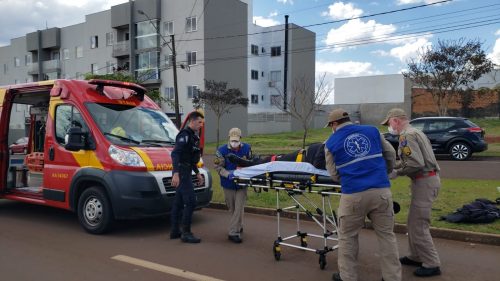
(279, 166)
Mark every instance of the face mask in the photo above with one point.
(392, 131)
(235, 144)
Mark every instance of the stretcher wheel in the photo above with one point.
(303, 242)
(277, 251)
(322, 261)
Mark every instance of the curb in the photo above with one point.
(450, 234)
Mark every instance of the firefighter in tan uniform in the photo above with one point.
(417, 161)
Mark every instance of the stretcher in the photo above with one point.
(297, 180)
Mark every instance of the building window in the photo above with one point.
(94, 68)
(275, 51)
(66, 54)
(275, 100)
(109, 67)
(255, 75)
(109, 38)
(191, 24)
(168, 28)
(275, 76)
(17, 62)
(255, 99)
(94, 42)
(147, 66)
(255, 50)
(28, 59)
(169, 60)
(192, 91)
(55, 55)
(79, 52)
(169, 93)
(147, 35)
(191, 58)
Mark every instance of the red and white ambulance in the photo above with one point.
(99, 148)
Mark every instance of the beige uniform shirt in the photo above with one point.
(387, 152)
(415, 153)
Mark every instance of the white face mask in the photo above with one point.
(235, 144)
(392, 131)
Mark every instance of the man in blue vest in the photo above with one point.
(360, 158)
(235, 195)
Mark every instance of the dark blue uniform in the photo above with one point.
(185, 157)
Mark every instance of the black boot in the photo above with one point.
(188, 237)
(175, 232)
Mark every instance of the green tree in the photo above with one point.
(448, 69)
(220, 100)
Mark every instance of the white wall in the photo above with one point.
(370, 89)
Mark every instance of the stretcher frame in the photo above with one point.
(296, 186)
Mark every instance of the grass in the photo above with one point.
(454, 194)
(491, 126)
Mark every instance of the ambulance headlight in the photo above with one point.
(125, 157)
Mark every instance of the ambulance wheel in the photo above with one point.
(322, 261)
(94, 211)
(277, 251)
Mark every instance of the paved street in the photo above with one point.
(40, 243)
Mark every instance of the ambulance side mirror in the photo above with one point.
(76, 139)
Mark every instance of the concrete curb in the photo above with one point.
(450, 234)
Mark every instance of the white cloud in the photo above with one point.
(355, 31)
(497, 33)
(286, 1)
(494, 56)
(406, 2)
(265, 22)
(339, 10)
(346, 69)
(381, 53)
(273, 14)
(409, 50)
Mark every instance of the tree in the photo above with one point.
(451, 67)
(219, 99)
(306, 98)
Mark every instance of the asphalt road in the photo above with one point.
(41, 243)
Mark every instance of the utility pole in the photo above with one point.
(285, 70)
(176, 92)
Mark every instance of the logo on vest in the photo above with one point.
(357, 145)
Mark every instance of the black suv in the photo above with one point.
(456, 136)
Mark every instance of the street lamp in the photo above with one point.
(174, 69)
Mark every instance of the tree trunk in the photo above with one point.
(304, 138)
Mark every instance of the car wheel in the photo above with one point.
(460, 151)
(94, 211)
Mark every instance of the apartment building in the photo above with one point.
(214, 40)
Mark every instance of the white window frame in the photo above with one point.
(254, 99)
(256, 48)
(17, 62)
(65, 54)
(190, 91)
(28, 59)
(78, 52)
(254, 74)
(189, 57)
(110, 38)
(275, 76)
(168, 28)
(169, 93)
(94, 42)
(277, 48)
(191, 24)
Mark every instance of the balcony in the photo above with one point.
(52, 66)
(121, 49)
(33, 68)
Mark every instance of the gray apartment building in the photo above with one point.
(214, 40)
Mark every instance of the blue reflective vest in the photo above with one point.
(224, 150)
(357, 151)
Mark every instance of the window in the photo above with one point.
(66, 54)
(28, 59)
(17, 62)
(109, 38)
(147, 36)
(109, 67)
(418, 125)
(169, 93)
(255, 75)
(275, 76)
(79, 52)
(94, 42)
(275, 51)
(255, 50)
(275, 100)
(191, 58)
(191, 24)
(440, 125)
(168, 28)
(147, 66)
(192, 91)
(94, 68)
(67, 116)
(55, 55)
(169, 60)
(255, 99)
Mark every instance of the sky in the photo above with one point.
(353, 38)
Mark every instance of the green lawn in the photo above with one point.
(453, 194)
(491, 126)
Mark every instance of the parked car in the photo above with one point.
(459, 137)
(19, 146)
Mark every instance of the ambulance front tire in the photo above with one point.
(94, 211)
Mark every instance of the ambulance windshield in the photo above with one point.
(133, 125)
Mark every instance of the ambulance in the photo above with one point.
(99, 148)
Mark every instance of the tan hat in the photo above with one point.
(234, 134)
(395, 112)
(336, 115)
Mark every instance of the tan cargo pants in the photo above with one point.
(376, 203)
(235, 201)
